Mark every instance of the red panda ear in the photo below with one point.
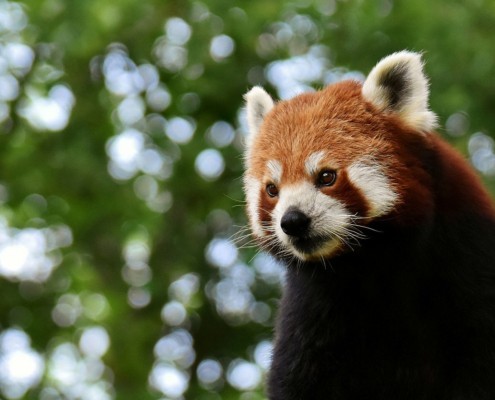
(258, 104)
(397, 84)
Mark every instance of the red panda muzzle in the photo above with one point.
(309, 245)
(297, 225)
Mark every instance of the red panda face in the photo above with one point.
(322, 166)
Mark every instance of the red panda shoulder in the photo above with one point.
(459, 189)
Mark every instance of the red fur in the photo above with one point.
(462, 189)
(295, 129)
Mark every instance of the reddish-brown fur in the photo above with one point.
(295, 129)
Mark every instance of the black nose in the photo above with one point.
(295, 223)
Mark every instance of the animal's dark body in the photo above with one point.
(408, 313)
(411, 318)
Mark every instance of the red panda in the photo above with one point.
(388, 237)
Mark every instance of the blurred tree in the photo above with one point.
(121, 213)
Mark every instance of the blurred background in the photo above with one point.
(121, 128)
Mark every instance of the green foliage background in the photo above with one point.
(53, 178)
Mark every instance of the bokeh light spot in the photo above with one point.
(10, 88)
(178, 31)
(94, 342)
(184, 288)
(209, 372)
(263, 354)
(124, 150)
(481, 149)
(221, 253)
(138, 297)
(221, 134)
(244, 375)
(457, 124)
(174, 313)
(27, 254)
(176, 347)
(51, 113)
(221, 47)
(158, 98)
(180, 130)
(21, 368)
(131, 110)
(12, 17)
(169, 380)
(210, 164)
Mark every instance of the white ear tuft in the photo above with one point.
(397, 84)
(258, 104)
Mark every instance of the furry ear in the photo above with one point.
(397, 84)
(258, 104)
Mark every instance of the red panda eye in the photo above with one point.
(272, 190)
(326, 178)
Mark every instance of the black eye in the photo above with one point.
(272, 190)
(326, 178)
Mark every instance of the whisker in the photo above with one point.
(236, 200)
(323, 262)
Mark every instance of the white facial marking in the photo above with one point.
(329, 218)
(374, 184)
(275, 170)
(252, 188)
(313, 162)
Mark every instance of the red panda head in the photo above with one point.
(323, 165)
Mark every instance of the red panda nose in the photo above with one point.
(295, 222)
